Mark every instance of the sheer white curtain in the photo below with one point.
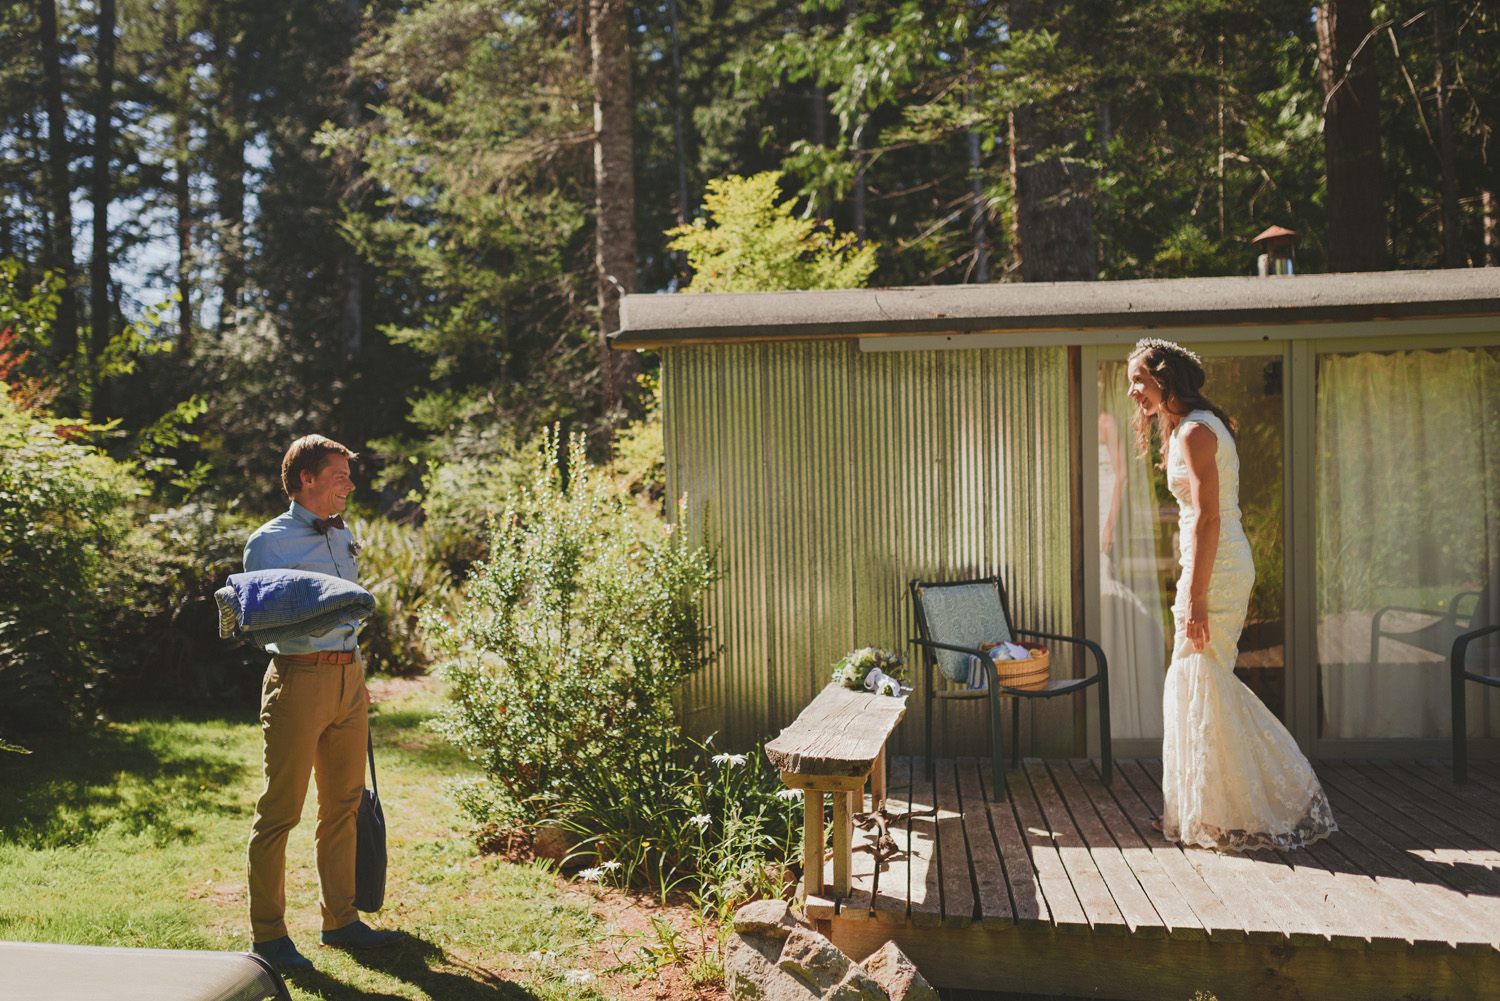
(1408, 519)
(1133, 610)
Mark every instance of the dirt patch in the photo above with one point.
(391, 689)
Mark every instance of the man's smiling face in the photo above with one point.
(325, 492)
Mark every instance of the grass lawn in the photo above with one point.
(134, 834)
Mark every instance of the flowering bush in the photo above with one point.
(872, 669)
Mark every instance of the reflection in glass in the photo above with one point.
(1140, 549)
(1408, 509)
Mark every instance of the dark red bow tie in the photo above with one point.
(324, 524)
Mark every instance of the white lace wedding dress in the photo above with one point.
(1232, 777)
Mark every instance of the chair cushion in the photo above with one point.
(964, 615)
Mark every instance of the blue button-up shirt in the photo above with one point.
(290, 542)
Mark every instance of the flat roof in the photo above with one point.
(656, 321)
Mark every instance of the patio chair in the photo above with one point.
(1483, 622)
(954, 618)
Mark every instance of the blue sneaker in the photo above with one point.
(282, 954)
(358, 935)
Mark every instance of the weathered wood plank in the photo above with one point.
(891, 879)
(1355, 902)
(926, 894)
(1245, 915)
(953, 850)
(812, 844)
(856, 905)
(1404, 848)
(1068, 911)
(843, 840)
(1027, 901)
(1440, 776)
(1134, 905)
(1427, 830)
(1099, 905)
(841, 732)
(1176, 912)
(1428, 796)
(1134, 969)
(1439, 912)
(988, 871)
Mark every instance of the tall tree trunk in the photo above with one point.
(182, 189)
(978, 223)
(1351, 137)
(228, 129)
(1452, 252)
(99, 311)
(1491, 231)
(614, 190)
(1054, 217)
(353, 266)
(59, 186)
(683, 208)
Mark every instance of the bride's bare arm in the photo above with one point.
(1199, 445)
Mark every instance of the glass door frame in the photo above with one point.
(1091, 357)
(1299, 356)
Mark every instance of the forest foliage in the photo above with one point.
(407, 225)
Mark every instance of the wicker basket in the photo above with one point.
(1030, 674)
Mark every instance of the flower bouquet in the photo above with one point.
(872, 669)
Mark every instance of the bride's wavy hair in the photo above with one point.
(1179, 373)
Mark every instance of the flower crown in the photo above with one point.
(1171, 347)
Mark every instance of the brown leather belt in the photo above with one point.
(321, 657)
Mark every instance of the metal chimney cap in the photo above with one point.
(1277, 236)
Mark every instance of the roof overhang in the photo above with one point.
(1093, 309)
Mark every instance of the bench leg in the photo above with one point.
(812, 843)
(843, 839)
(877, 783)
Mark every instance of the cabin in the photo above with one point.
(835, 445)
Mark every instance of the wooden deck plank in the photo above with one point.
(1482, 774)
(891, 879)
(1381, 823)
(953, 849)
(1357, 901)
(1026, 898)
(1177, 914)
(925, 895)
(1057, 889)
(1104, 914)
(1434, 907)
(1219, 924)
(1248, 914)
(1439, 775)
(1134, 904)
(992, 893)
(1429, 832)
(1429, 796)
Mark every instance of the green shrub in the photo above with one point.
(402, 567)
(156, 615)
(62, 508)
(573, 639)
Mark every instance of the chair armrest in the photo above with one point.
(1093, 648)
(1460, 650)
(1375, 622)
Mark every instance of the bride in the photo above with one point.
(1232, 776)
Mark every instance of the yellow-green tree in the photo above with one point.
(750, 242)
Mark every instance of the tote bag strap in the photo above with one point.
(370, 750)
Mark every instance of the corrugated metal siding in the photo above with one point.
(828, 478)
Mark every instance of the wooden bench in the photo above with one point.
(834, 746)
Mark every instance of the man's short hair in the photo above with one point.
(309, 453)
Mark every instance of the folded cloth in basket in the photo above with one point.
(268, 606)
(979, 678)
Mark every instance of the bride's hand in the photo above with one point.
(1197, 623)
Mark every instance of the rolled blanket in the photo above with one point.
(268, 606)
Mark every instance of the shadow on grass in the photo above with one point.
(143, 776)
(424, 966)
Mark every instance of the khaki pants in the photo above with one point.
(314, 719)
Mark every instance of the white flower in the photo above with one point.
(789, 794)
(591, 875)
(702, 820)
(611, 865)
(541, 956)
(579, 976)
(732, 760)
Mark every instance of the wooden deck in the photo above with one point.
(1065, 889)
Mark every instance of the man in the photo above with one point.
(314, 715)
